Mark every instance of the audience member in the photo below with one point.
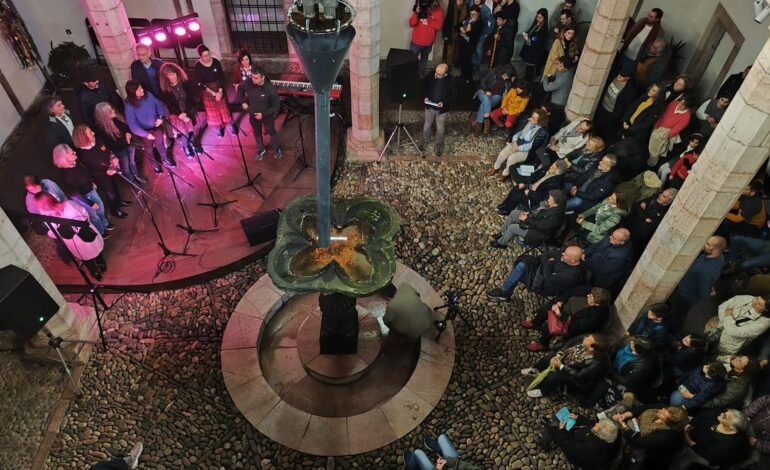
(758, 412)
(470, 35)
(259, 97)
(210, 77)
(680, 169)
(425, 26)
(641, 116)
(685, 355)
(646, 217)
(597, 221)
(743, 371)
(90, 92)
(102, 165)
(660, 434)
(130, 461)
(639, 38)
(699, 386)
(551, 273)
(565, 46)
(146, 69)
(730, 87)
(665, 132)
(677, 89)
(180, 96)
(610, 260)
(60, 125)
(500, 42)
(578, 315)
(699, 279)
(596, 185)
(710, 113)
(78, 185)
(559, 85)
(642, 186)
(634, 365)
(741, 320)
(113, 131)
(494, 84)
(715, 439)
(653, 326)
(588, 445)
(748, 253)
(439, 95)
(513, 104)
(488, 25)
(571, 137)
(144, 116)
(653, 64)
(694, 143)
(567, 5)
(748, 216)
(582, 160)
(533, 52)
(536, 226)
(447, 457)
(509, 9)
(531, 136)
(522, 194)
(456, 14)
(576, 368)
(618, 96)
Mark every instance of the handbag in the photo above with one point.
(557, 326)
(540, 377)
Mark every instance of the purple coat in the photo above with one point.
(141, 118)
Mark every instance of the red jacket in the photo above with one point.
(424, 31)
(681, 168)
(675, 122)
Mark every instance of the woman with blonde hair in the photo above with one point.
(179, 95)
(78, 185)
(115, 134)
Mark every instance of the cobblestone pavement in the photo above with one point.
(160, 380)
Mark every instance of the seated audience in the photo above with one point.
(747, 217)
(579, 315)
(535, 227)
(715, 439)
(641, 116)
(577, 367)
(581, 160)
(588, 445)
(551, 273)
(522, 194)
(447, 457)
(685, 355)
(493, 86)
(634, 365)
(652, 326)
(571, 137)
(680, 169)
(748, 253)
(699, 386)
(743, 372)
(596, 185)
(513, 104)
(758, 413)
(646, 217)
(742, 319)
(694, 144)
(610, 260)
(619, 94)
(596, 222)
(665, 132)
(660, 435)
(530, 137)
(710, 113)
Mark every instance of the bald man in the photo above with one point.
(609, 260)
(552, 273)
(439, 94)
(146, 69)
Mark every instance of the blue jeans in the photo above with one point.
(676, 398)
(96, 216)
(757, 247)
(574, 203)
(422, 52)
(486, 103)
(478, 54)
(421, 461)
(128, 162)
(516, 273)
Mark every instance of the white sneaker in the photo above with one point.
(132, 459)
(530, 371)
(536, 393)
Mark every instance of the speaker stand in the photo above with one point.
(397, 134)
(55, 342)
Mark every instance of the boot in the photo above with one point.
(491, 171)
(476, 128)
(486, 126)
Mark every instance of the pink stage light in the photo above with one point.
(194, 26)
(146, 41)
(160, 36)
(180, 31)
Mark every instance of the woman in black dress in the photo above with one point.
(533, 51)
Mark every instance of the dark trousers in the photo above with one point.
(540, 322)
(268, 123)
(96, 266)
(108, 186)
(114, 464)
(158, 144)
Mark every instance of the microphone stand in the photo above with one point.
(250, 182)
(214, 204)
(292, 113)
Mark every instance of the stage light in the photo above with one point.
(180, 31)
(146, 41)
(194, 25)
(160, 36)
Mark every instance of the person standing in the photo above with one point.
(559, 85)
(500, 43)
(211, 79)
(259, 97)
(242, 69)
(144, 116)
(487, 26)
(180, 97)
(439, 94)
(90, 92)
(470, 33)
(533, 52)
(425, 24)
(146, 69)
(639, 38)
(60, 125)
(457, 13)
(114, 132)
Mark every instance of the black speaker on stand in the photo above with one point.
(25, 306)
(402, 75)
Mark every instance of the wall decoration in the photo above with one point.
(16, 35)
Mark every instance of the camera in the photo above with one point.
(424, 7)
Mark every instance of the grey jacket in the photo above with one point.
(560, 86)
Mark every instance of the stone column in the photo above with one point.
(365, 138)
(110, 23)
(222, 27)
(738, 147)
(65, 323)
(604, 36)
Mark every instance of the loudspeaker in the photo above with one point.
(25, 306)
(261, 227)
(402, 74)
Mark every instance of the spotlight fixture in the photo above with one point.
(180, 31)
(193, 25)
(160, 36)
(146, 41)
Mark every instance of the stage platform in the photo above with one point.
(132, 251)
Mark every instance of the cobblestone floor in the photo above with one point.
(160, 381)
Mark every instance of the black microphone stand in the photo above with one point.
(214, 204)
(292, 113)
(250, 182)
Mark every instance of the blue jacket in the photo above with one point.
(142, 118)
(698, 280)
(657, 333)
(608, 263)
(702, 387)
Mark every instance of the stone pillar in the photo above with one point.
(365, 138)
(223, 29)
(739, 146)
(604, 36)
(110, 23)
(65, 323)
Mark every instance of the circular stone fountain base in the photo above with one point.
(266, 379)
(343, 368)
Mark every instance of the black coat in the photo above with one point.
(637, 376)
(88, 99)
(504, 48)
(543, 225)
(260, 98)
(535, 52)
(56, 133)
(661, 445)
(598, 189)
(548, 275)
(440, 91)
(642, 126)
(587, 162)
(641, 230)
(531, 199)
(583, 448)
(192, 93)
(139, 73)
(583, 376)
(607, 264)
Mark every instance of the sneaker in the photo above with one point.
(278, 153)
(105, 235)
(132, 459)
(526, 323)
(499, 295)
(221, 132)
(536, 393)
(534, 346)
(530, 371)
(432, 444)
(407, 457)
(157, 168)
(495, 244)
(260, 154)
(109, 226)
(126, 203)
(169, 163)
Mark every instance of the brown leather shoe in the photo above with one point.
(491, 171)
(502, 177)
(476, 129)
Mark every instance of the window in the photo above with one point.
(257, 25)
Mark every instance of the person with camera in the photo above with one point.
(439, 94)
(426, 21)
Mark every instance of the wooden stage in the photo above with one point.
(132, 251)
